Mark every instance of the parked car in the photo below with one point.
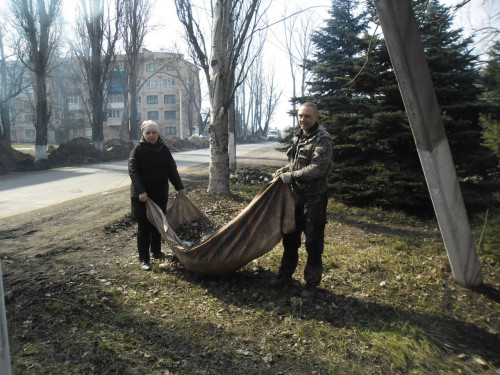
(273, 135)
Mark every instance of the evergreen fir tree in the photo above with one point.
(490, 122)
(456, 81)
(340, 45)
(375, 160)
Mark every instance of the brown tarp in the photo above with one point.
(255, 231)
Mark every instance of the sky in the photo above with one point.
(167, 34)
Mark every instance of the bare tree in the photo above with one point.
(35, 21)
(12, 83)
(97, 31)
(191, 85)
(272, 98)
(233, 25)
(134, 28)
(299, 46)
(481, 19)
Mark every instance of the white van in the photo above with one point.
(273, 135)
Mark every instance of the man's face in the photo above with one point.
(308, 116)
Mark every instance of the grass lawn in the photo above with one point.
(388, 305)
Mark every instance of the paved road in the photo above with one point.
(22, 192)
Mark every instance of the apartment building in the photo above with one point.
(169, 93)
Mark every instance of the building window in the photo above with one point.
(151, 67)
(151, 83)
(168, 98)
(30, 133)
(169, 115)
(153, 115)
(28, 118)
(169, 82)
(168, 68)
(138, 101)
(152, 99)
(88, 132)
(116, 98)
(170, 130)
(73, 100)
(116, 82)
(115, 113)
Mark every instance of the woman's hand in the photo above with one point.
(143, 197)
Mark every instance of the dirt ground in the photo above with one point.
(55, 243)
(75, 237)
(63, 248)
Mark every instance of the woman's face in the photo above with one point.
(151, 135)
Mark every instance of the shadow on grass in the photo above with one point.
(93, 332)
(444, 332)
(488, 291)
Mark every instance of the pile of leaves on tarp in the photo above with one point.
(195, 231)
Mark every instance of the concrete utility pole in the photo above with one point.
(414, 80)
(5, 368)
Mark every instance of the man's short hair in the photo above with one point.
(310, 105)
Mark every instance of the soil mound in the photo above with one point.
(117, 149)
(74, 152)
(81, 151)
(13, 160)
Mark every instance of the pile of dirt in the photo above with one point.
(117, 149)
(77, 151)
(13, 160)
(81, 151)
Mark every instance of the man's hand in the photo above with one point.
(143, 197)
(287, 177)
(279, 172)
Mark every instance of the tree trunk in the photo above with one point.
(133, 115)
(124, 133)
(5, 118)
(97, 121)
(219, 157)
(41, 118)
(232, 137)
(219, 78)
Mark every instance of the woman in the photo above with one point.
(150, 167)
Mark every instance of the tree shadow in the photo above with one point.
(343, 311)
(488, 291)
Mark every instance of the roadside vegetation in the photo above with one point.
(388, 305)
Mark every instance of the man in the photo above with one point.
(310, 162)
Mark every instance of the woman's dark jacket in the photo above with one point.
(150, 168)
